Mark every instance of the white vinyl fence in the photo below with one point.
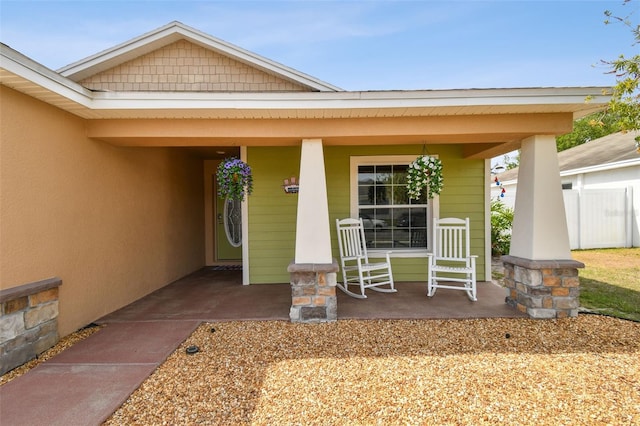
(601, 218)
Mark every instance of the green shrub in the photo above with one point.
(501, 221)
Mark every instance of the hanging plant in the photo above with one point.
(424, 172)
(234, 179)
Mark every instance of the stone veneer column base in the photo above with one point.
(28, 322)
(543, 289)
(313, 292)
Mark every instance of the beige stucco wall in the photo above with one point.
(184, 66)
(114, 223)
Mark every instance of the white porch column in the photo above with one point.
(540, 223)
(313, 238)
(540, 276)
(313, 271)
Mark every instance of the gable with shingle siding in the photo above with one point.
(186, 67)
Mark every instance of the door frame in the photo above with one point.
(210, 167)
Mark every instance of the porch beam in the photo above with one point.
(278, 132)
(489, 150)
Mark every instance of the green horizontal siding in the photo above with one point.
(272, 213)
(463, 196)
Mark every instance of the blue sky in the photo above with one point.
(355, 45)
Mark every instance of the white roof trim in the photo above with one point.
(25, 68)
(377, 99)
(602, 167)
(173, 32)
(590, 169)
(24, 74)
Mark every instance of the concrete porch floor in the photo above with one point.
(86, 383)
(218, 295)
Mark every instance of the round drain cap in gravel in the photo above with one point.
(192, 349)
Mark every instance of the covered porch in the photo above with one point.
(217, 294)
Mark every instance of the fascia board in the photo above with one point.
(512, 96)
(112, 57)
(339, 100)
(21, 66)
(602, 167)
(591, 169)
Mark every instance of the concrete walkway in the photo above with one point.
(87, 382)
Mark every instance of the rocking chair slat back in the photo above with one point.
(351, 240)
(452, 241)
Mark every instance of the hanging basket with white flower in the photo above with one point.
(234, 179)
(425, 172)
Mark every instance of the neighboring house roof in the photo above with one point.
(173, 32)
(606, 152)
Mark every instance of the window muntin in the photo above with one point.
(391, 219)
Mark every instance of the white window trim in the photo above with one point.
(375, 160)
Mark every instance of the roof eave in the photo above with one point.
(19, 71)
(36, 80)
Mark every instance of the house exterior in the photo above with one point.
(108, 167)
(601, 189)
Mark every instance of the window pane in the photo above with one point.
(418, 217)
(400, 174)
(419, 238)
(400, 195)
(383, 218)
(401, 238)
(422, 200)
(383, 195)
(366, 175)
(401, 218)
(383, 174)
(365, 195)
(368, 216)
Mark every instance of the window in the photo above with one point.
(379, 196)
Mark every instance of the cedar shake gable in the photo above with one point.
(186, 67)
(178, 58)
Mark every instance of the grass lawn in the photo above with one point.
(610, 281)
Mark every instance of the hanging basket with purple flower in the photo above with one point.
(234, 179)
(425, 172)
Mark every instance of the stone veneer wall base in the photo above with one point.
(313, 292)
(28, 322)
(543, 289)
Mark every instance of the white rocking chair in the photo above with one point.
(451, 257)
(354, 262)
